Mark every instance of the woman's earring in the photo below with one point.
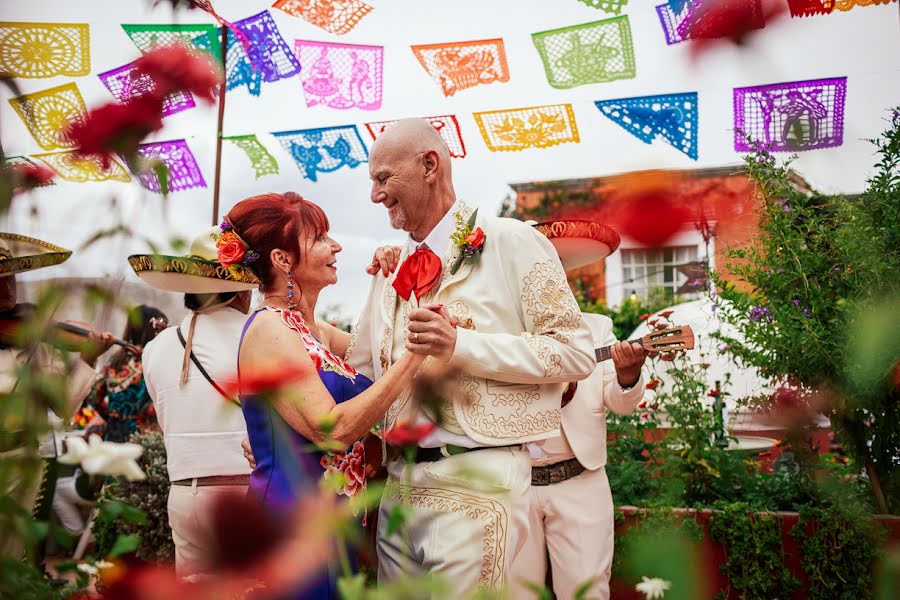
(290, 290)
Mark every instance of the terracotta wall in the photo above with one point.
(727, 198)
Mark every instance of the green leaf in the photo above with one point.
(541, 592)
(63, 537)
(396, 519)
(133, 515)
(125, 544)
(584, 588)
(471, 224)
(110, 510)
(162, 174)
(352, 588)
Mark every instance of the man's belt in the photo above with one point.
(556, 473)
(215, 480)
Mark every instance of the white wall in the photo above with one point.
(861, 44)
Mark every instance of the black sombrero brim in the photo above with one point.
(29, 254)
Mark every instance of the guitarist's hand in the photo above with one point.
(628, 359)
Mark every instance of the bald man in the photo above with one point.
(518, 337)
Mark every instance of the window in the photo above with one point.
(647, 269)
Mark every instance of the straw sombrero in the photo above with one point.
(198, 272)
(579, 242)
(19, 254)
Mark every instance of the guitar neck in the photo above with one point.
(605, 353)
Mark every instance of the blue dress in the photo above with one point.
(287, 464)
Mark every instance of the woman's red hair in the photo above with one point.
(271, 221)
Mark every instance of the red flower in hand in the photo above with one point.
(404, 434)
(353, 466)
(116, 128)
(178, 68)
(475, 239)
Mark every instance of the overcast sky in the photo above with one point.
(862, 44)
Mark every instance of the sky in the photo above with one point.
(862, 44)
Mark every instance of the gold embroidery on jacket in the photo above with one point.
(549, 303)
(490, 513)
(544, 349)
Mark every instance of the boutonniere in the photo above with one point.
(469, 240)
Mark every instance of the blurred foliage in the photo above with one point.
(818, 305)
(754, 559)
(133, 516)
(833, 541)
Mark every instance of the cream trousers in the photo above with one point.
(468, 518)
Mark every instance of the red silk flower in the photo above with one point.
(404, 434)
(179, 68)
(116, 128)
(418, 274)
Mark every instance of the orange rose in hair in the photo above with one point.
(226, 237)
(231, 253)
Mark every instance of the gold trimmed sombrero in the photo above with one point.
(19, 254)
(579, 242)
(199, 272)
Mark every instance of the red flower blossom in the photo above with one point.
(116, 128)
(652, 384)
(642, 404)
(714, 393)
(405, 434)
(475, 239)
(643, 317)
(178, 68)
(27, 176)
(231, 253)
(264, 381)
(666, 314)
(734, 21)
(353, 466)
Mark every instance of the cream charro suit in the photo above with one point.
(573, 519)
(520, 337)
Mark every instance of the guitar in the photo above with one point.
(666, 340)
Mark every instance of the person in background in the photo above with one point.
(185, 369)
(119, 397)
(23, 365)
(571, 512)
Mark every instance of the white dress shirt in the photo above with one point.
(202, 430)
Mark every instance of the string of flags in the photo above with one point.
(785, 116)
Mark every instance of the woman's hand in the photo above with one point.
(248, 452)
(385, 260)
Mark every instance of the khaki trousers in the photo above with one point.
(469, 513)
(190, 517)
(574, 521)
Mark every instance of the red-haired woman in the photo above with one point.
(284, 239)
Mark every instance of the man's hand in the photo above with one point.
(628, 359)
(94, 344)
(385, 260)
(248, 452)
(432, 332)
